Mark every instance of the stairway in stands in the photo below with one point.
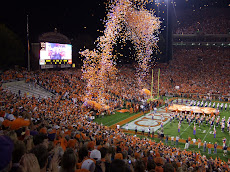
(27, 88)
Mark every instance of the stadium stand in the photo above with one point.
(54, 134)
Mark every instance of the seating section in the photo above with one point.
(28, 89)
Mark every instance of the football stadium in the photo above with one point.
(149, 91)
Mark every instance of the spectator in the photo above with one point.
(29, 163)
(139, 166)
(88, 164)
(168, 168)
(68, 161)
(6, 149)
(41, 139)
(151, 165)
(41, 153)
(83, 153)
(118, 165)
(106, 157)
(18, 152)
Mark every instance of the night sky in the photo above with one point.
(69, 17)
(72, 18)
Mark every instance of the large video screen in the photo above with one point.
(55, 54)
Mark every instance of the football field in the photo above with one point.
(128, 122)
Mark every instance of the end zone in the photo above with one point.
(145, 122)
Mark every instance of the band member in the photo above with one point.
(202, 104)
(152, 116)
(221, 106)
(194, 129)
(179, 127)
(224, 141)
(222, 126)
(217, 106)
(214, 132)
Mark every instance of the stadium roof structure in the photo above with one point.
(54, 37)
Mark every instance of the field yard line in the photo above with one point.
(184, 130)
(206, 135)
(166, 123)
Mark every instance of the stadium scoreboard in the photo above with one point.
(57, 62)
(55, 55)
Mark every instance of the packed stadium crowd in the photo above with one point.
(198, 70)
(55, 134)
(203, 21)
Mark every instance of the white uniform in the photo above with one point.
(214, 104)
(194, 141)
(202, 103)
(194, 103)
(222, 105)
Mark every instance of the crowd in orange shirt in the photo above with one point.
(62, 124)
(203, 21)
(67, 128)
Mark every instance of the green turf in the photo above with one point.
(192, 148)
(202, 132)
(170, 129)
(113, 119)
